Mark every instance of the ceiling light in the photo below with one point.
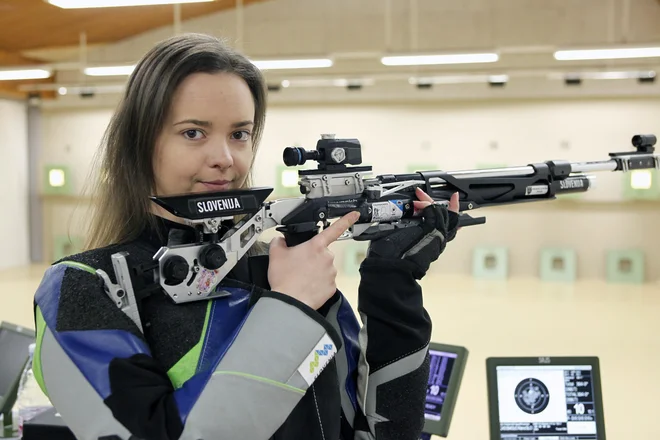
(23, 74)
(314, 83)
(611, 75)
(498, 79)
(109, 70)
(292, 64)
(607, 54)
(78, 4)
(425, 60)
(603, 75)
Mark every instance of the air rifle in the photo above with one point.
(341, 184)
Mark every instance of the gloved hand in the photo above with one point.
(421, 244)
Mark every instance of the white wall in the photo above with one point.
(13, 184)
(451, 137)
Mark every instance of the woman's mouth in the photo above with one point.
(217, 185)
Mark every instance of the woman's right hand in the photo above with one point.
(306, 272)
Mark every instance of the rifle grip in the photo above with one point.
(296, 238)
(296, 234)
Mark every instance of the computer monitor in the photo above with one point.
(545, 397)
(14, 345)
(445, 375)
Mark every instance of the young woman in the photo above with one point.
(286, 360)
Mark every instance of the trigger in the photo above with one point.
(346, 235)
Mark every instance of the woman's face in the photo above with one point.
(206, 142)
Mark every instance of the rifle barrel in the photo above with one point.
(586, 167)
(576, 167)
(491, 172)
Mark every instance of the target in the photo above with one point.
(532, 396)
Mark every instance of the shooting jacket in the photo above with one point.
(254, 365)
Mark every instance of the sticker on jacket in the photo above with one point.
(317, 360)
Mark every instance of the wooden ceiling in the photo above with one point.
(28, 25)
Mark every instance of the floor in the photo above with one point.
(520, 317)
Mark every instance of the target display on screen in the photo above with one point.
(532, 396)
(540, 398)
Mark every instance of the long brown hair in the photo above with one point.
(125, 179)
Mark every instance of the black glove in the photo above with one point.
(420, 244)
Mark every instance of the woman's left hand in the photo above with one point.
(423, 243)
(426, 200)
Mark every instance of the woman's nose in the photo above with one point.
(220, 155)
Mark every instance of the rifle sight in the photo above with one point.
(330, 153)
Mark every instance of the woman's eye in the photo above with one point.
(193, 134)
(241, 135)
